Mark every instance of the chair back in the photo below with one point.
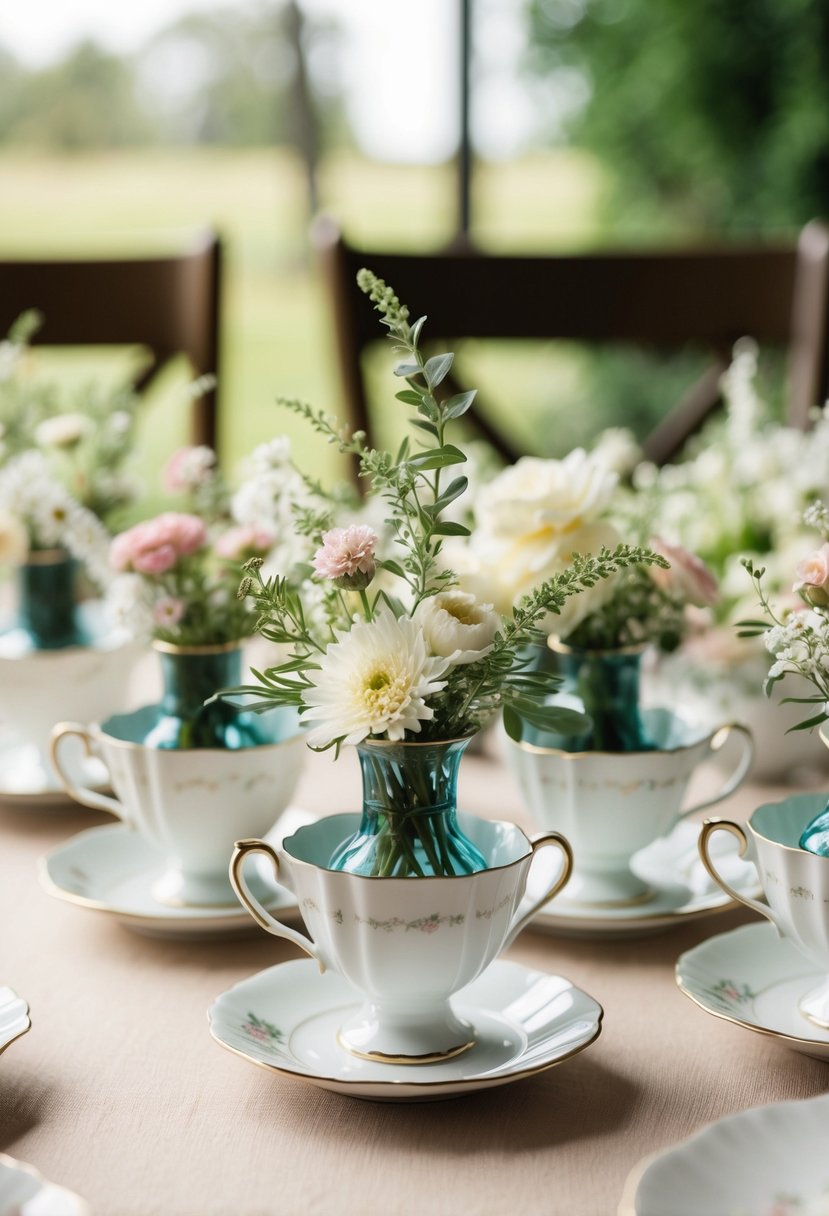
(706, 297)
(169, 304)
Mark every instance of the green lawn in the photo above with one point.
(276, 332)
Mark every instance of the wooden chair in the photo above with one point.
(662, 299)
(169, 304)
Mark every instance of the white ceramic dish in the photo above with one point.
(755, 978)
(27, 780)
(114, 870)
(683, 890)
(14, 1017)
(768, 1161)
(24, 1192)
(285, 1020)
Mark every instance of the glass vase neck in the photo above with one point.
(48, 601)
(409, 826)
(190, 676)
(609, 685)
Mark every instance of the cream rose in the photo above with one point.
(456, 626)
(546, 497)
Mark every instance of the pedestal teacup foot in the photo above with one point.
(389, 1034)
(815, 1005)
(180, 889)
(606, 889)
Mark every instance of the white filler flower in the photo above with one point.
(374, 680)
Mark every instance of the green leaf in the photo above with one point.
(438, 458)
(426, 426)
(512, 724)
(407, 369)
(409, 396)
(557, 719)
(392, 567)
(437, 368)
(818, 720)
(446, 527)
(452, 491)
(459, 404)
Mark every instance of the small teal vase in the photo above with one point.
(47, 609)
(815, 835)
(608, 685)
(409, 826)
(190, 675)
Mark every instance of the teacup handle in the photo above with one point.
(90, 798)
(524, 914)
(718, 740)
(263, 918)
(728, 825)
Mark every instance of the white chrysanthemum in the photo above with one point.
(374, 680)
(456, 626)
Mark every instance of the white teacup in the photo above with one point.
(189, 804)
(40, 687)
(612, 804)
(794, 881)
(407, 944)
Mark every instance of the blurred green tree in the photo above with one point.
(713, 114)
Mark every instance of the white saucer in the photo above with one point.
(24, 1192)
(755, 978)
(683, 890)
(14, 1017)
(286, 1019)
(113, 869)
(26, 778)
(768, 1161)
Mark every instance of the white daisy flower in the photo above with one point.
(375, 680)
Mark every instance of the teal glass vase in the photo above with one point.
(48, 612)
(608, 686)
(815, 835)
(409, 826)
(190, 675)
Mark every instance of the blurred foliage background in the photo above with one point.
(634, 121)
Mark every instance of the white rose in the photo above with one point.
(61, 431)
(14, 540)
(456, 626)
(546, 497)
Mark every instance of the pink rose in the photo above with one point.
(812, 578)
(688, 578)
(347, 556)
(154, 546)
(244, 541)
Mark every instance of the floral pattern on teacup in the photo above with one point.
(262, 1031)
(422, 924)
(727, 994)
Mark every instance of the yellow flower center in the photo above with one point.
(384, 693)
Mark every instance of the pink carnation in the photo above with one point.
(245, 541)
(688, 578)
(154, 546)
(347, 556)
